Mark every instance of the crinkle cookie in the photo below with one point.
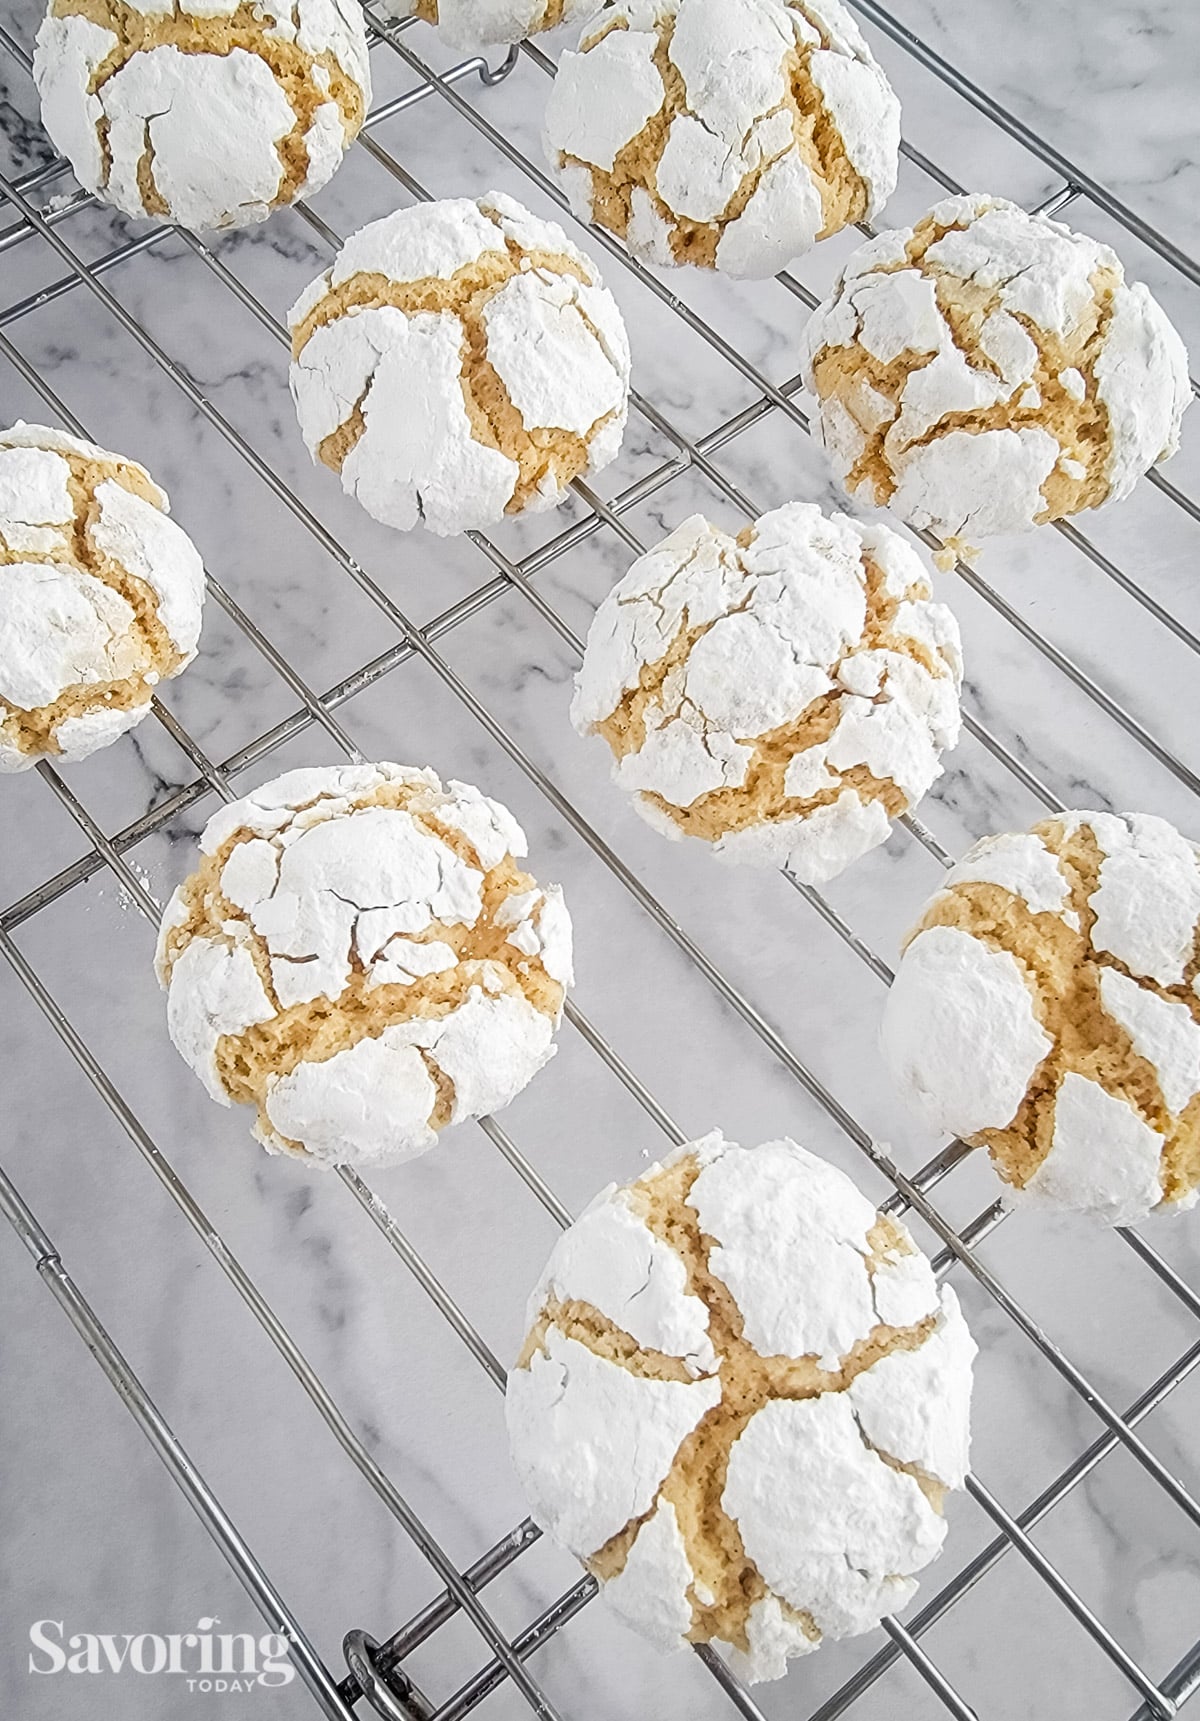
(741, 1402)
(100, 595)
(459, 362)
(210, 113)
(483, 23)
(361, 958)
(782, 695)
(988, 370)
(1047, 1007)
(729, 133)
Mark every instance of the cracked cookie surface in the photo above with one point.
(459, 362)
(987, 371)
(100, 595)
(732, 134)
(782, 695)
(485, 23)
(1047, 1007)
(361, 958)
(211, 117)
(741, 1401)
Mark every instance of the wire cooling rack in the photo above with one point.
(377, 1680)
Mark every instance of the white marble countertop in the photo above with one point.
(95, 1533)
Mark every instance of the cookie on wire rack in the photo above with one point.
(460, 361)
(741, 1402)
(100, 595)
(1047, 1007)
(209, 114)
(987, 371)
(489, 23)
(782, 695)
(732, 134)
(361, 958)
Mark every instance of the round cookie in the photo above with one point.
(782, 695)
(987, 370)
(732, 134)
(360, 957)
(459, 362)
(741, 1402)
(100, 595)
(1047, 1007)
(486, 23)
(210, 114)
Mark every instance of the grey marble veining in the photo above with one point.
(95, 1533)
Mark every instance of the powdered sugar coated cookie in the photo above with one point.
(459, 362)
(100, 595)
(487, 23)
(1047, 1007)
(988, 370)
(210, 115)
(741, 1402)
(361, 958)
(728, 133)
(782, 695)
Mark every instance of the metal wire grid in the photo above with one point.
(376, 1671)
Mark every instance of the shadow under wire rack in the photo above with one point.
(376, 1680)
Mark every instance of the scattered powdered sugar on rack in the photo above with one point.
(461, 360)
(782, 695)
(486, 23)
(100, 595)
(988, 370)
(360, 957)
(728, 133)
(210, 114)
(1047, 1006)
(741, 1401)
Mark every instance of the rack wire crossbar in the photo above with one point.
(376, 1671)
